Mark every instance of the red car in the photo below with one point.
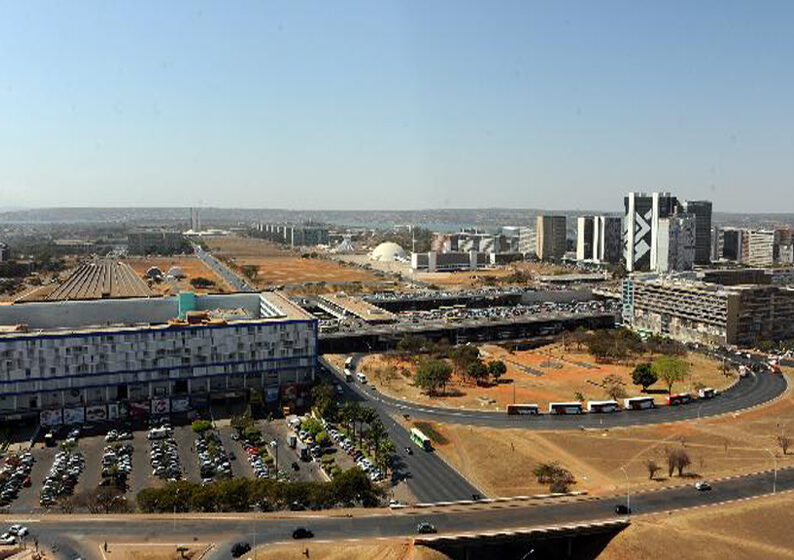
(26, 483)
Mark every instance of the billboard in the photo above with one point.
(96, 413)
(139, 409)
(53, 417)
(113, 411)
(161, 406)
(180, 404)
(74, 415)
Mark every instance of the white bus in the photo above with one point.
(348, 375)
(565, 408)
(638, 403)
(523, 409)
(707, 393)
(421, 439)
(602, 406)
(349, 363)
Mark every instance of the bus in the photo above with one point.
(638, 403)
(349, 363)
(602, 406)
(348, 375)
(523, 409)
(565, 408)
(707, 393)
(680, 398)
(421, 439)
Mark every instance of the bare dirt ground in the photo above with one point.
(759, 528)
(191, 266)
(281, 266)
(537, 376)
(150, 550)
(349, 551)
(501, 461)
(491, 276)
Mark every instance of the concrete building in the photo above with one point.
(784, 246)
(758, 247)
(447, 262)
(551, 237)
(527, 241)
(701, 210)
(641, 226)
(598, 239)
(157, 242)
(71, 362)
(295, 236)
(195, 220)
(5, 253)
(676, 243)
(691, 310)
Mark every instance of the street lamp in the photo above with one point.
(176, 499)
(774, 474)
(628, 490)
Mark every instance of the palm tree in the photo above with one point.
(385, 450)
(349, 413)
(377, 433)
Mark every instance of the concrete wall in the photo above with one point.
(76, 314)
(561, 296)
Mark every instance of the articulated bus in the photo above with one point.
(680, 398)
(638, 403)
(565, 408)
(421, 439)
(602, 406)
(523, 409)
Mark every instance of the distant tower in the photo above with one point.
(195, 219)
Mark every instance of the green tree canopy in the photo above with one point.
(670, 370)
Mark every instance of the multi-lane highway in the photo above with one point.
(74, 532)
(222, 270)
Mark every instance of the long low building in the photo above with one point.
(78, 361)
(691, 310)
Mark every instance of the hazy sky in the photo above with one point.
(382, 104)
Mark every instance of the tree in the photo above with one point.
(497, 369)
(670, 371)
(677, 459)
(199, 282)
(614, 387)
(322, 398)
(783, 442)
(432, 375)
(557, 477)
(201, 426)
(250, 271)
(644, 376)
(652, 467)
(478, 371)
(462, 356)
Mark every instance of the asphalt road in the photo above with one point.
(430, 479)
(70, 532)
(235, 281)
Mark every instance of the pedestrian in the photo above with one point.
(106, 546)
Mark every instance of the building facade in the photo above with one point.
(598, 239)
(64, 366)
(676, 243)
(551, 237)
(641, 226)
(701, 210)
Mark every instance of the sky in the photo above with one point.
(396, 105)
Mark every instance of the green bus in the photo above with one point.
(421, 439)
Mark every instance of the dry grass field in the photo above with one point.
(539, 376)
(349, 551)
(280, 266)
(757, 528)
(501, 461)
(191, 266)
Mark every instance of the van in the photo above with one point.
(158, 433)
(361, 377)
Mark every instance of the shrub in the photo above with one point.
(201, 426)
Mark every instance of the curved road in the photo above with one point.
(72, 532)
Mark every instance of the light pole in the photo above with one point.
(628, 490)
(774, 473)
(176, 499)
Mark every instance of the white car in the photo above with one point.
(8, 538)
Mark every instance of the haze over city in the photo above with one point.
(395, 105)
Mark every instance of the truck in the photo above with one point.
(349, 363)
(348, 375)
(292, 440)
(303, 452)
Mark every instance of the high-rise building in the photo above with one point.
(641, 225)
(676, 243)
(701, 210)
(195, 219)
(527, 241)
(758, 247)
(551, 237)
(598, 239)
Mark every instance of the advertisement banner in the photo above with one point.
(161, 406)
(74, 415)
(180, 404)
(113, 411)
(96, 413)
(272, 395)
(53, 417)
(139, 409)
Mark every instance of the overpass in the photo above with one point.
(385, 337)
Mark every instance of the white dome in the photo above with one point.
(387, 251)
(176, 272)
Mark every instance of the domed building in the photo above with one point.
(387, 252)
